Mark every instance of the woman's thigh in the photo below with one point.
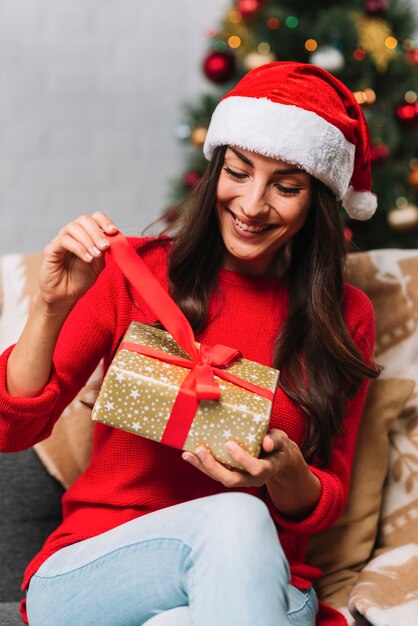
(125, 587)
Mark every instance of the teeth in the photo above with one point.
(251, 229)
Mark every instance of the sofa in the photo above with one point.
(369, 557)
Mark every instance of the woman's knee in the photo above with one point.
(238, 538)
(241, 507)
(239, 517)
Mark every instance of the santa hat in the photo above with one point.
(303, 115)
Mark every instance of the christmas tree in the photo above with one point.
(369, 45)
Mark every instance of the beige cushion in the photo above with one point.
(386, 591)
(343, 550)
(387, 455)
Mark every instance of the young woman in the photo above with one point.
(152, 535)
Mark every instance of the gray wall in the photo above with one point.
(90, 95)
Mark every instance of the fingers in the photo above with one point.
(87, 237)
(275, 440)
(105, 223)
(256, 467)
(255, 472)
(204, 461)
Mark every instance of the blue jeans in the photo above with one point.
(211, 561)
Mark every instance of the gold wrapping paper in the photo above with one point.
(138, 393)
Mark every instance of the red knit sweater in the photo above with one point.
(129, 476)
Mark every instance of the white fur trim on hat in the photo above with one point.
(360, 205)
(285, 132)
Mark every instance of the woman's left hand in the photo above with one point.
(278, 454)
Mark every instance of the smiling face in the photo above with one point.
(260, 204)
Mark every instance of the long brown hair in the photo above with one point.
(321, 367)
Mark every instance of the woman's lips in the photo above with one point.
(248, 230)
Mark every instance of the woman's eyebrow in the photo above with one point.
(247, 161)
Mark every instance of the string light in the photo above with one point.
(311, 45)
(411, 97)
(234, 41)
(367, 96)
(235, 17)
(360, 96)
(182, 131)
(263, 47)
(273, 23)
(219, 46)
(401, 202)
(359, 54)
(391, 42)
(370, 96)
(292, 21)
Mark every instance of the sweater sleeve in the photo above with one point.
(335, 477)
(84, 338)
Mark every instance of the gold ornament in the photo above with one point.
(413, 178)
(375, 37)
(403, 220)
(413, 175)
(255, 59)
(198, 136)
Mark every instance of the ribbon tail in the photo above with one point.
(182, 414)
(161, 303)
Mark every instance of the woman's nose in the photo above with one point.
(254, 202)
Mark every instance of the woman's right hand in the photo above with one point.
(73, 260)
(71, 264)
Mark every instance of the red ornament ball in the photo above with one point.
(219, 67)
(407, 114)
(374, 8)
(248, 8)
(191, 178)
(379, 153)
(412, 57)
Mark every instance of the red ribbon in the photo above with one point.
(200, 383)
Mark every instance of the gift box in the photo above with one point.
(152, 389)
